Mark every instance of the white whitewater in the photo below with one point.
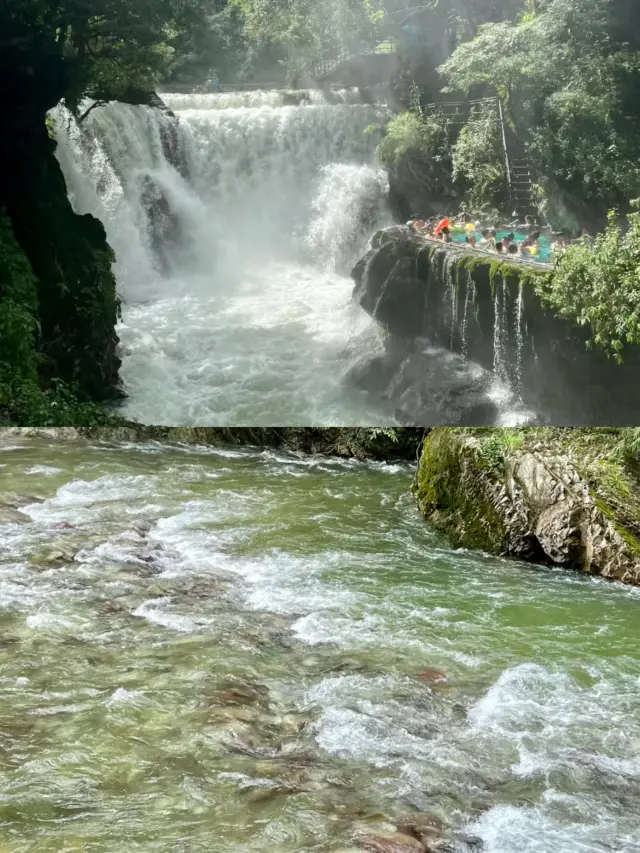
(241, 311)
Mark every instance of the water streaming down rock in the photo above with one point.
(234, 229)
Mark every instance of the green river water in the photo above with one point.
(221, 650)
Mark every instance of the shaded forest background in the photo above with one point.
(566, 71)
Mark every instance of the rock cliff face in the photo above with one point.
(77, 305)
(488, 311)
(559, 497)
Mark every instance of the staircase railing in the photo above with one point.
(325, 65)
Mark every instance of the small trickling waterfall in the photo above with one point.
(519, 339)
(235, 226)
(500, 334)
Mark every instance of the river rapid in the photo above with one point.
(236, 223)
(214, 650)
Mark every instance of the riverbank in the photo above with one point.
(551, 496)
(341, 442)
(564, 498)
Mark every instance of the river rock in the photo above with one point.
(425, 827)
(396, 843)
(9, 515)
(388, 289)
(427, 386)
(15, 500)
(432, 675)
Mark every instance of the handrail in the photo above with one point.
(504, 143)
(463, 247)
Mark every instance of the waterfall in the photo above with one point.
(464, 330)
(519, 337)
(234, 227)
(500, 333)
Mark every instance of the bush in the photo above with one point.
(598, 284)
(478, 160)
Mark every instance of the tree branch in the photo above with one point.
(93, 106)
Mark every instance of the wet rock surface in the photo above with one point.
(427, 385)
(538, 502)
(488, 310)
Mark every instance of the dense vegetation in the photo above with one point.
(58, 301)
(599, 285)
(566, 71)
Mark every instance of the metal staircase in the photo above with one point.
(516, 155)
(521, 179)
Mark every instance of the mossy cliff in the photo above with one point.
(493, 312)
(56, 265)
(568, 498)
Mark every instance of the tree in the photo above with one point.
(109, 49)
(309, 29)
(478, 160)
(599, 285)
(570, 91)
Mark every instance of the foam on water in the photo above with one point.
(243, 312)
(336, 605)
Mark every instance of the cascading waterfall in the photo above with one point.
(500, 333)
(519, 337)
(464, 329)
(234, 230)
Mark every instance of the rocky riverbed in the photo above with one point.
(214, 649)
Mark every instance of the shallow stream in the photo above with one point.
(209, 650)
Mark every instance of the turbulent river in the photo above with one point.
(237, 300)
(210, 650)
(236, 229)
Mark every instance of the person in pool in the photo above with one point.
(446, 234)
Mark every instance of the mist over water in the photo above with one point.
(241, 310)
(236, 229)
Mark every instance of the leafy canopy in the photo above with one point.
(111, 48)
(565, 80)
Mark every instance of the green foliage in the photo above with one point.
(478, 160)
(629, 447)
(409, 135)
(495, 444)
(415, 147)
(599, 285)
(18, 307)
(566, 85)
(22, 400)
(111, 48)
(311, 30)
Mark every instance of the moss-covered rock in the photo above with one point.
(18, 312)
(71, 259)
(30, 392)
(74, 301)
(563, 497)
(495, 311)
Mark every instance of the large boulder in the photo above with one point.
(544, 495)
(387, 285)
